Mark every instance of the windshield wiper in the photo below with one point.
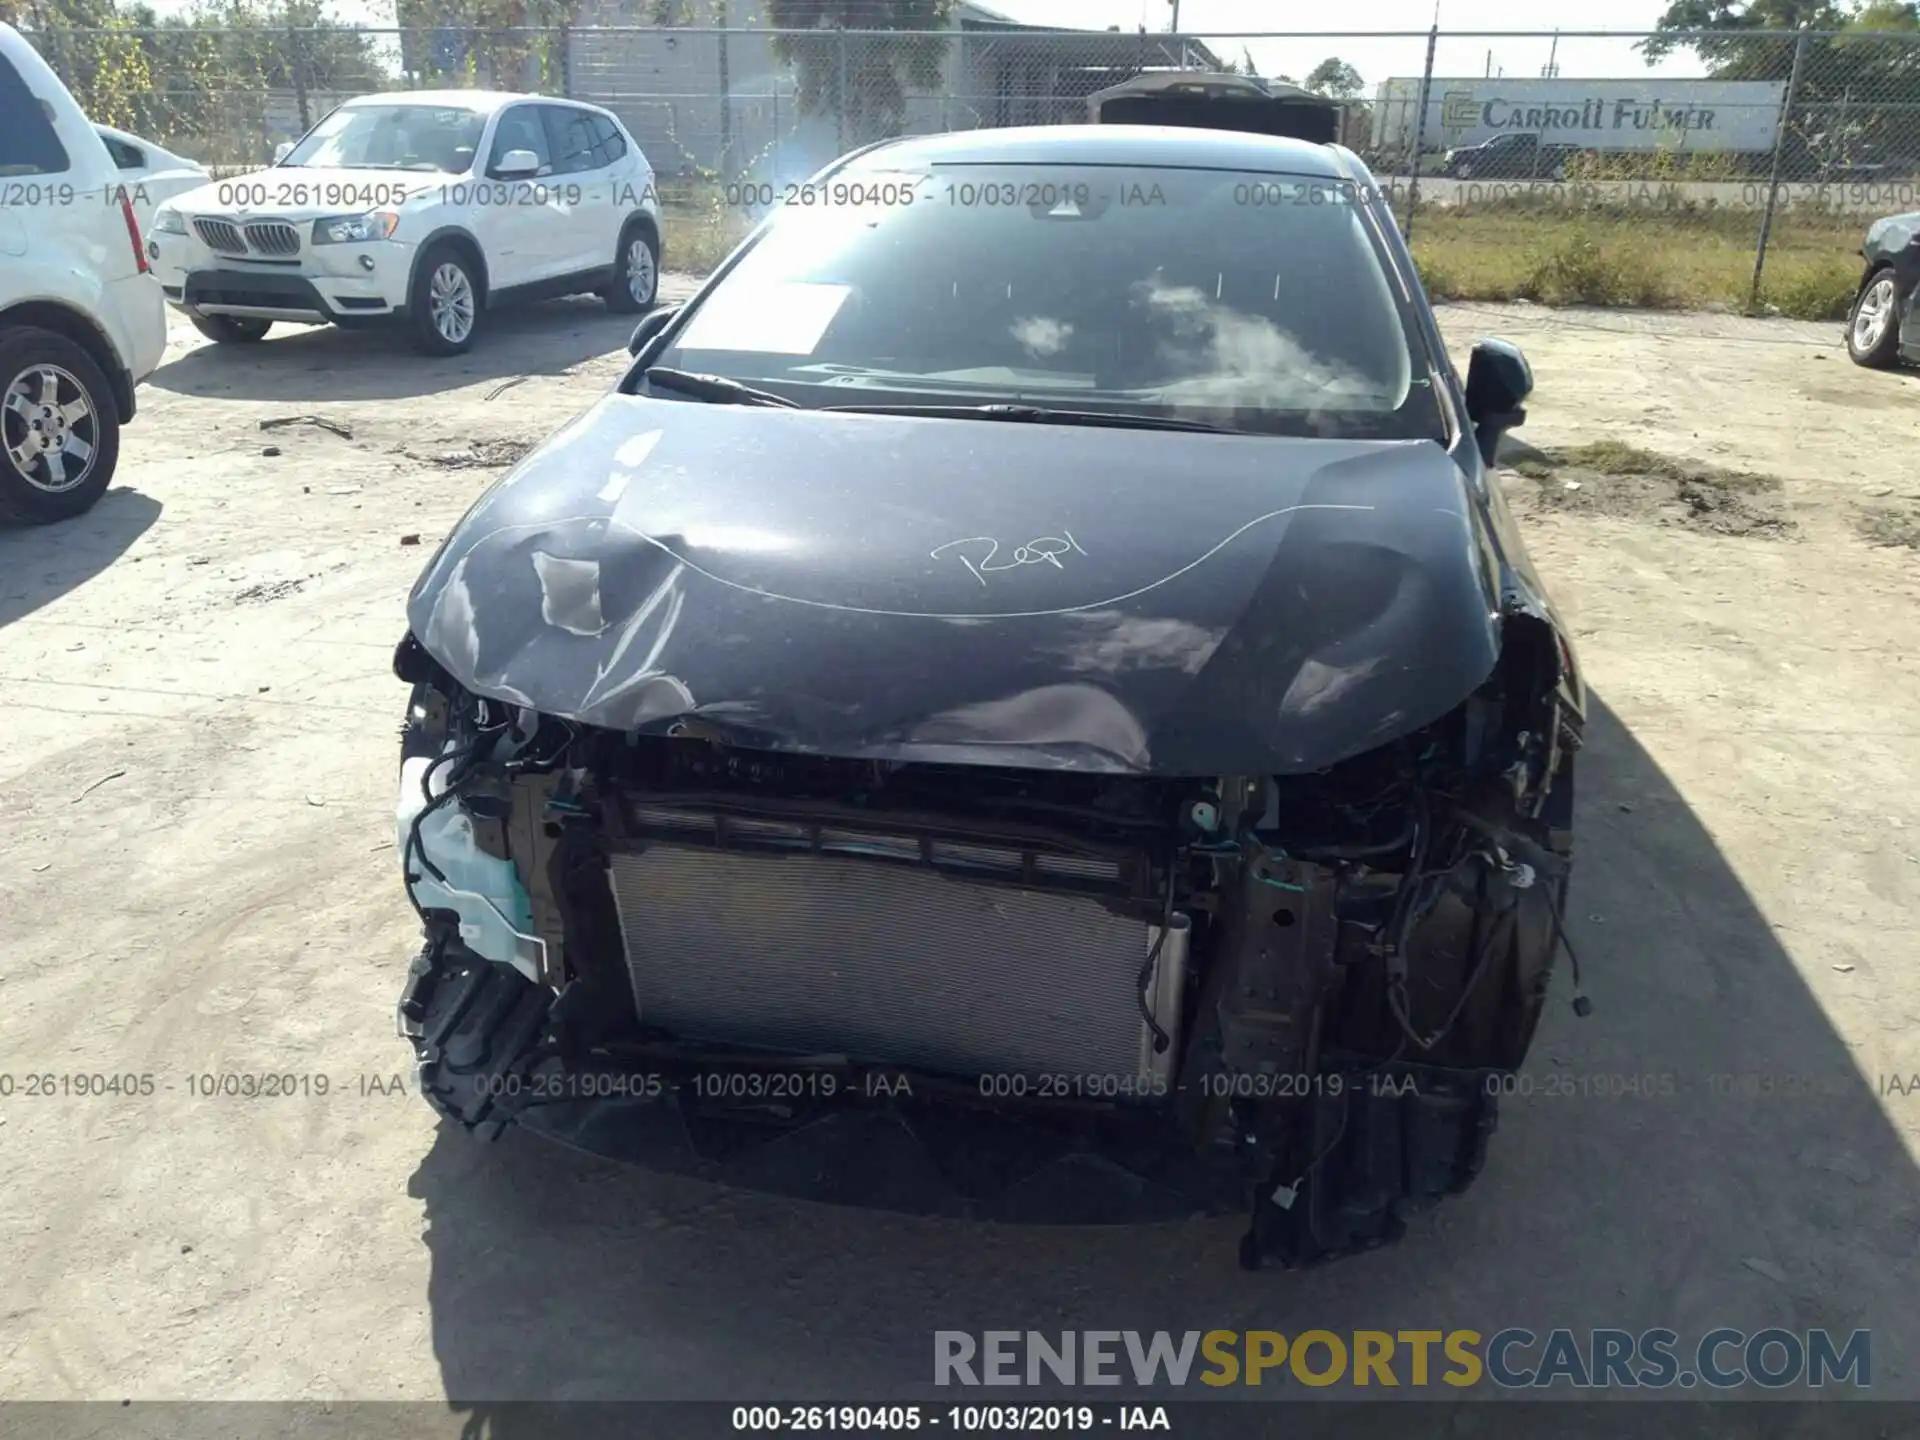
(1040, 415)
(713, 387)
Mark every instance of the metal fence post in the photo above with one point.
(299, 79)
(726, 101)
(1846, 137)
(1773, 178)
(959, 63)
(1420, 133)
(840, 105)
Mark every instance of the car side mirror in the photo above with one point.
(282, 150)
(1499, 380)
(650, 325)
(516, 163)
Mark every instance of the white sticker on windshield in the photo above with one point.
(784, 318)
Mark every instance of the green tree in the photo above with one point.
(1859, 89)
(510, 44)
(292, 44)
(862, 79)
(94, 48)
(1873, 47)
(1336, 79)
(200, 82)
(234, 71)
(1739, 56)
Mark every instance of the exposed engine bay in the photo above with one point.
(1006, 993)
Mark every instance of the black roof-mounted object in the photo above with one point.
(1198, 100)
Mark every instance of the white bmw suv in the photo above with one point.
(426, 209)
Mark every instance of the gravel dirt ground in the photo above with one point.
(197, 877)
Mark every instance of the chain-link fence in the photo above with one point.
(730, 103)
(1716, 125)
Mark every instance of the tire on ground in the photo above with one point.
(619, 294)
(421, 327)
(231, 329)
(1884, 353)
(22, 499)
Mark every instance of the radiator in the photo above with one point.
(824, 952)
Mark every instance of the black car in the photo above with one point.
(1514, 156)
(1023, 704)
(1882, 327)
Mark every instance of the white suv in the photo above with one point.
(81, 320)
(428, 209)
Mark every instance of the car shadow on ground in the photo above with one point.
(303, 363)
(1694, 1203)
(40, 563)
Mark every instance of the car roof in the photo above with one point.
(1147, 146)
(485, 101)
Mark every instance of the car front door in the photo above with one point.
(583, 189)
(1502, 156)
(513, 214)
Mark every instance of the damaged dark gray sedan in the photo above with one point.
(1023, 704)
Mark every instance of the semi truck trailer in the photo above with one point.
(1565, 116)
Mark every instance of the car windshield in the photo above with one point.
(392, 137)
(1255, 301)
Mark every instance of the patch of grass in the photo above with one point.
(1581, 267)
(700, 232)
(1436, 279)
(1612, 478)
(1662, 164)
(1888, 525)
(701, 228)
(1616, 457)
(1692, 259)
(1809, 292)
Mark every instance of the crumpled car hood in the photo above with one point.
(970, 591)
